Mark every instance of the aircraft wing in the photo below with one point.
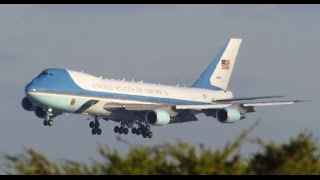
(216, 105)
(244, 104)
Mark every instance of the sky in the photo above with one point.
(167, 44)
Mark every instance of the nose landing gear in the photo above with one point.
(95, 126)
(47, 121)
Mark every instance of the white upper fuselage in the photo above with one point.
(92, 83)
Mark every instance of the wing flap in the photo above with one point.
(199, 107)
(272, 103)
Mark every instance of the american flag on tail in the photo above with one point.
(225, 64)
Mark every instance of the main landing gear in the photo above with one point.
(95, 126)
(144, 130)
(122, 129)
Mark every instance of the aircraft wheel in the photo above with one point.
(94, 131)
(134, 130)
(121, 130)
(50, 122)
(150, 135)
(143, 131)
(91, 124)
(97, 124)
(125, 131)
(138, 131)
(142, 127)
(99, 131)
(116, 129)
(148, 127)
(45, 123)
(144, 135)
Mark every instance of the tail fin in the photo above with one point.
(218, 73)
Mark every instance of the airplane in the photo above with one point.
(137, 105)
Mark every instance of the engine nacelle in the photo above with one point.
(27, 104)
(158, 117)
(40, 112)
(229, 115)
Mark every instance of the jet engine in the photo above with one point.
(40, 112)
(27, 104)
(229, 115)
(158, 117)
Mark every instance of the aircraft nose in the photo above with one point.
(30, 88)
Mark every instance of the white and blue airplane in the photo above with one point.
(138, 105)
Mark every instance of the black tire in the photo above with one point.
(144, 135)
(94, 131)
(125, 131)
(91, 124)
(150, 134)
(138, 131)
(45, 123)
(121, 130)
(116, 129)
(50, 122)
(97, 125)
(134, 130)
(99, 131)
(142, 127)
(148, 127)
(143, 131)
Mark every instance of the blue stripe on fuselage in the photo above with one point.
(60, 82)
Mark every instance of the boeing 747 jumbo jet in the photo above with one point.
(138, 105)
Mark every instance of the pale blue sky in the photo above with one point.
(169, 44)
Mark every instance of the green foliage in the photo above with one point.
(300, 155)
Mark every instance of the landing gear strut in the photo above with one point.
(47, 121)
(95, 126)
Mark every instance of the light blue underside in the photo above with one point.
(59, 102)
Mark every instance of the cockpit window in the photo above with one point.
(47, 74)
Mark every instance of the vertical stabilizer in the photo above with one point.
(218, 73)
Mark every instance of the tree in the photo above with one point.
(300, 155)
